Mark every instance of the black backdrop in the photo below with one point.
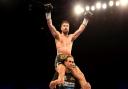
(28, 50)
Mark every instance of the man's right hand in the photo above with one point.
(48, 7)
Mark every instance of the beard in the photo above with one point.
(65, 31)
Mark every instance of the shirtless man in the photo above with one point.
(64, 42)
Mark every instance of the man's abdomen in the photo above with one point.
(66, 50)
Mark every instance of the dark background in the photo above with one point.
(28, 49)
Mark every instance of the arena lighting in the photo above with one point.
(117, 3)
(99, 6)
(87, 8)
(78, 9)
(124, 2)
(104, 6)
(92, 8)
(111, 3)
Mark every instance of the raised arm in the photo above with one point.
(48, 8)
(82, 26)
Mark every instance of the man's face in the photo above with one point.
(65, 27)
(69, 63)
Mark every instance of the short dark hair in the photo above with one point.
(64, 21)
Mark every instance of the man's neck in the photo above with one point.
(64, 34)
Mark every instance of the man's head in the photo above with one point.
(65, 26)
(69, 62)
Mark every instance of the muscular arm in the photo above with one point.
(80, 30)
(52, 28)
(48, 9)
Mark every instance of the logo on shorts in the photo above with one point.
(63, 56)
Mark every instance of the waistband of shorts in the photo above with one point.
(63, 54)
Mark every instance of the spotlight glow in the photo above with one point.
(123, 2)
(78, 9)
(101, 6)
(98, 5)
(104, 6)
(117, 3)
(87, 8)
(111, 3)
(92, 8)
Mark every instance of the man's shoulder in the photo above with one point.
(58, 32)
(71, 35)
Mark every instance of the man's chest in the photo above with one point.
(65, 40)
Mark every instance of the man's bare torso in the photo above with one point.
(64, 44)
